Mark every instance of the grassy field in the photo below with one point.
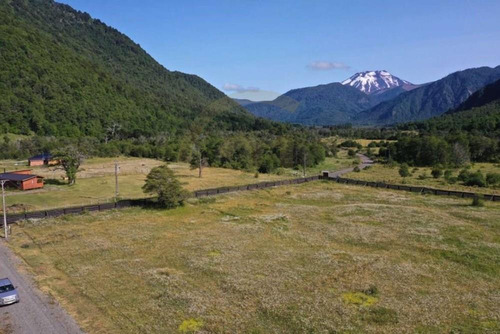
(362, 142)
(312, 258)
(386, 173)
(96, 181)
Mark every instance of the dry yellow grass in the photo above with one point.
(312, 258)
(96, 182)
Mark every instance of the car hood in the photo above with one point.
(8, 293)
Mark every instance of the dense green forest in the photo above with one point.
(456, 137)
(69, 79)
(256, 151)
(64, 73)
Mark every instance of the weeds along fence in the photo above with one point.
(147, 201)
(414, 189)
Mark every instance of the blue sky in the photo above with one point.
(259, 46)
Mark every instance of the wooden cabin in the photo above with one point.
(44, 159)
(22, 180)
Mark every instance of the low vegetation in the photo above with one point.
(96, 181)
(472, 179)
(313, 258)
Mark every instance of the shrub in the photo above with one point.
(493, 179)
(448, 174)
(464, 175)
(351, 143)
(351, 153)
(423, 176)
(256, 175)
(477, 201)
(452, 180)
(404, 171)
(280, 171)
(475, 179)
(436, 172)
(163, 182)
(356, 169)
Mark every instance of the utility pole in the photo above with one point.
(304, 160)
(116, 181)
(5, 228)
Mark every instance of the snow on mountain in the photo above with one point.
(370, 82)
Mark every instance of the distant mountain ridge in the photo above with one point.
(320, 105)
(385, 99)
(334, 103)
(430, 100)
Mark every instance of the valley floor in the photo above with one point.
(319, 257)
(96, 181)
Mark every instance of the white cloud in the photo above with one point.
(327, 65)
(229, 87)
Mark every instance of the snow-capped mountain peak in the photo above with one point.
(373, 81)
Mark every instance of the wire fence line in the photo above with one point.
(141, 202)
(414, 189)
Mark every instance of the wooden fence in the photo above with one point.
(145, 201)
(415, 189)
(263, 185)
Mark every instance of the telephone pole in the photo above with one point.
(304, 160)
(116, 181)
(5, 228)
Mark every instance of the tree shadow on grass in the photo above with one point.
(55, 182)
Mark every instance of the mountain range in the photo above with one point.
(64, 73)
(384, 99)
(478, 115)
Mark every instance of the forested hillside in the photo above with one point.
(320, 105)
(487, 94)
(457, 136)
(432, 99)
(64, 73)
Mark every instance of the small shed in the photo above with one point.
(23, 180)
(41, 160)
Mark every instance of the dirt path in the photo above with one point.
(365, 161)
(35, 313)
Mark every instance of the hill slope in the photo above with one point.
(478, 115)
(487, 94)
(66, 74)
(432, 99)
(320, 105)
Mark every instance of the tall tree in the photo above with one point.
(163, 182)
(70, 158)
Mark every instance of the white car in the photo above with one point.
(8, 293)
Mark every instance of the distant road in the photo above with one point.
(35, 313)
(365, 161)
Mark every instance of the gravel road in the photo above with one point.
(35, 313)
(365, 161)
